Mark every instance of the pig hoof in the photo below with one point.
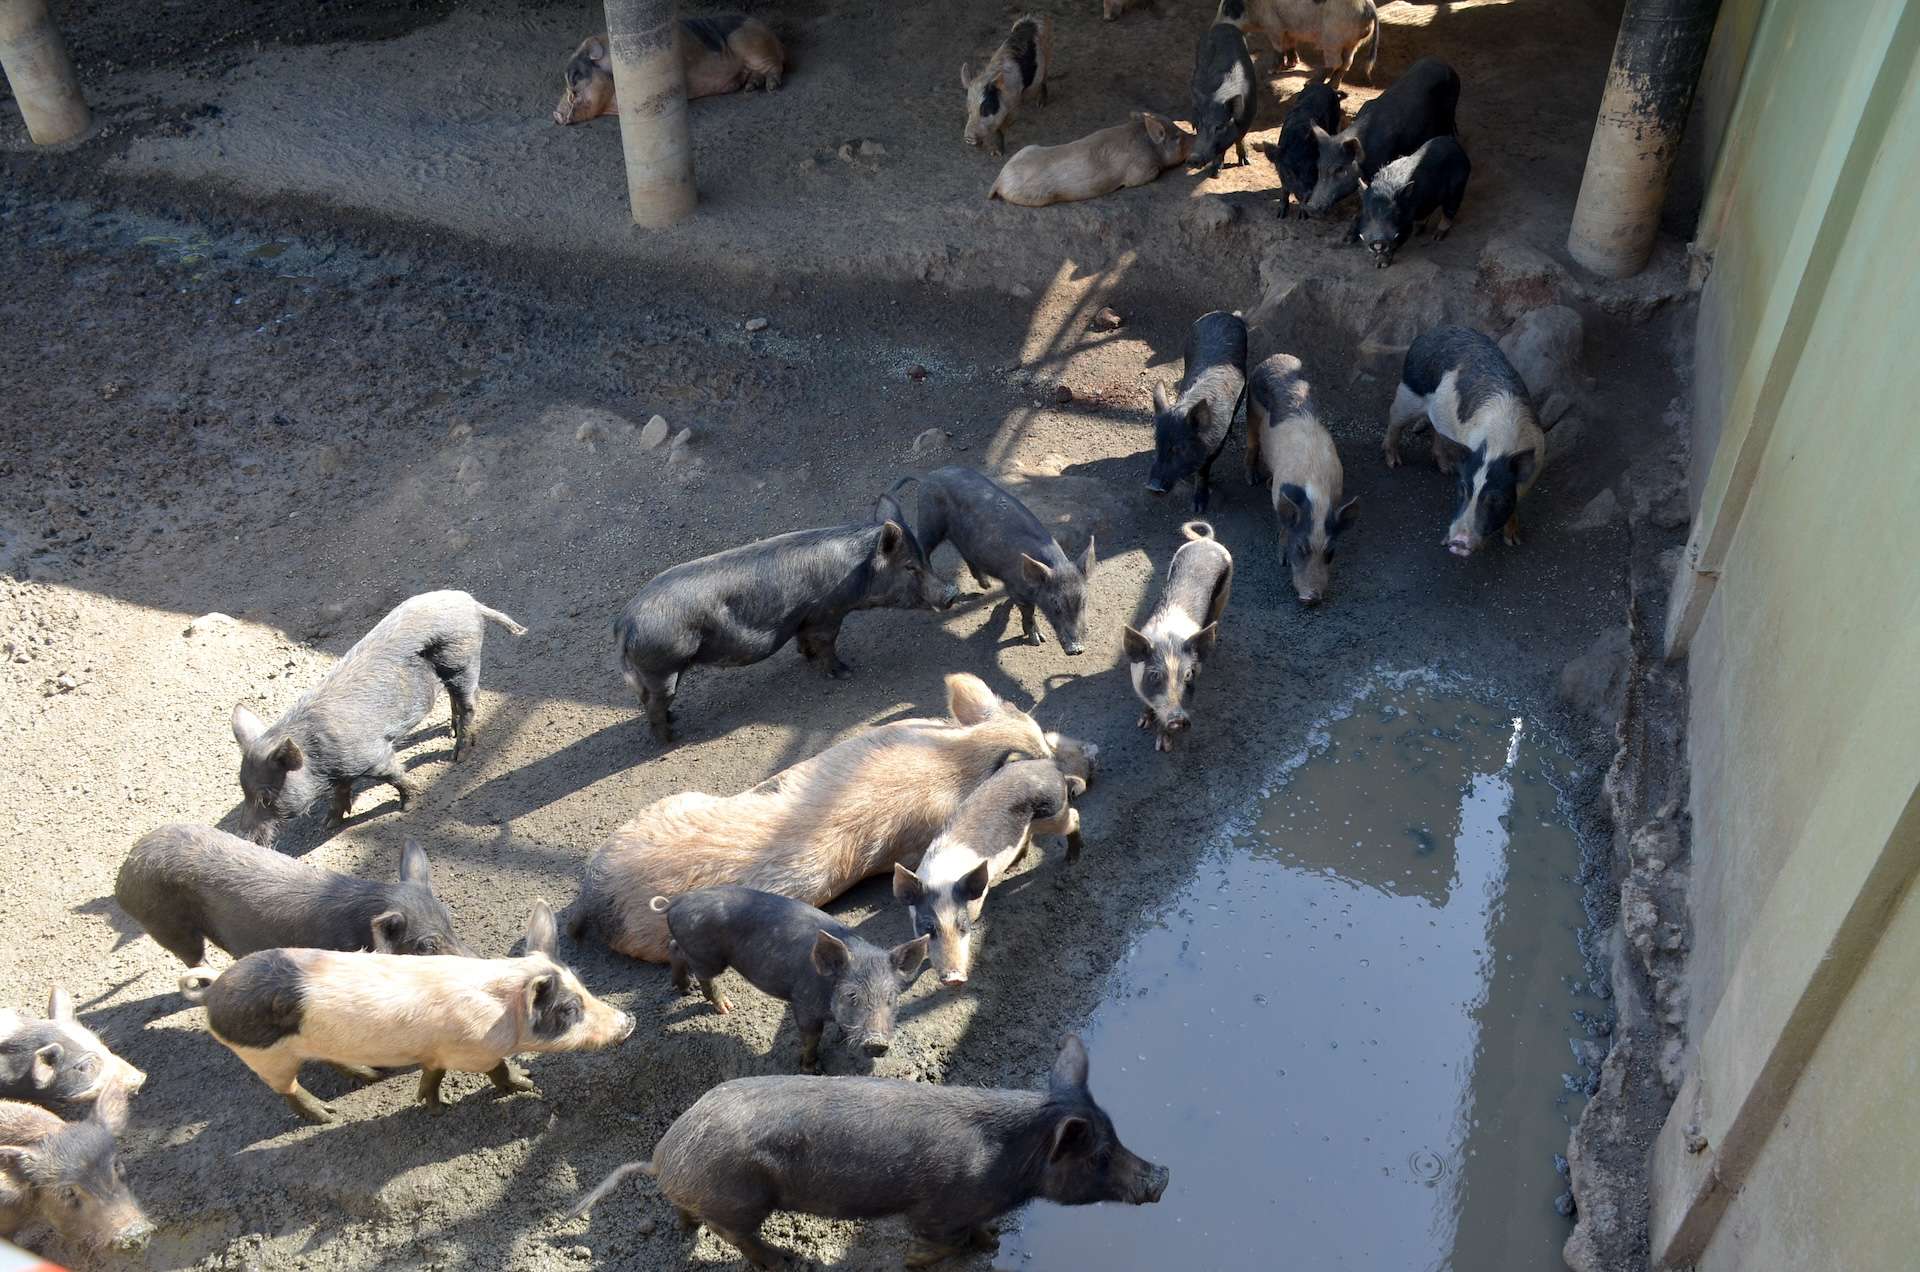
(430, 1080)
(1392, 455)
(724, 1006)
(309, 1108)
(1146, 720)
(507, 1079)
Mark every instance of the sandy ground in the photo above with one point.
(292, 351)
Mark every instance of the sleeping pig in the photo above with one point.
(1017, 67)
(811, 831)
(720, 53)
(276, 1009)
(1287, 439)
(58, 1060)
(1190, 428)
(187, 885)
(1116, 158)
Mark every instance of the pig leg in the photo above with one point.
(281, 1071)
(810, 1031)
(462, 689)
(706, 972)
(1408, 407)
(342, 801)
(1511, 531)
(817, 646)
(393, 775)
(430, 1080)
(1446, 455)
(677, 962)
(656, 698)
(719, 1000)
(1028, 627)
(181, 939)
(741, 1228)
(1256, 426)
(934, 1240)
(508, 1077)
(1201, 486)
(1240, 147)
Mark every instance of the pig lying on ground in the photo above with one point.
(1165, 655)
(58, 1059)
(276, 1009)
(1415, 109)
(796, 953)
(1286, 437)
(992, 830)
(1000, 538)
(1191, 429)
(720, 53)
(950, 1160)
(1405, 193)
(744, 604)
(1017, 67)
(343, 729)
(66, 1175)
(1116, 158)
(811, 831)
(1295, 155)
(1334, 28)
(1224, 97)
(1484, 430)
(187, 885)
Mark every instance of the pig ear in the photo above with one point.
(907, 888)
(413, 865)
(1350, 147)
(59, 1004)
(596, 50)
(1137, 645)
(891, 537)
(973, 884)
(906, 959)
(830, 954)
(1201, 416)
(969, 701)
(288, 755)
(110, 1109)
(1288, 506)
(1345, 514)
(17, 1160)
(1034, 572)
(539, 990)
(46, 1065)
(1155, 126)
(541, 935)
(1072, 1137)
(966, 75)
(246, 727)
(389, 929)
(1201, 642)
(1160, 400)
(1086, 560)
(1070, 1066)
(1321, 137)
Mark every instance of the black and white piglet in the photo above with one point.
(1224, 97)
(1165, 655)
(1408, 192)
(1286, 438)
(1190, 427)
(1414, 109)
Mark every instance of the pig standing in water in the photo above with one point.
(740, 606)
(1000, 538)
(1223, 97)
(1484, 430)
(796, 953)
(343, 729)
(1406, 193)
(276, 1009)
(992, 830)
(1284, 433)
(720, 53)
(1415, 109)
(1116, 158)
(1295, 156)
(1166, 654)
(1017, 67)
(1190, 430)
(811, 831)
(950, 1160)
(1335, 28)
(66, 1175)
(58, 1060)
(187, 885)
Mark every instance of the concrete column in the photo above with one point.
(40, 73)
(1643, 114)
(643, 37)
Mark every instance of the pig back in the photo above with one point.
(1414, 109)
(22, 1124)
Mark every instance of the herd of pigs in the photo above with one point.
(366, 976)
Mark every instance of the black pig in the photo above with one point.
(58, 1059)
(1223, 97)
(1295, 156)
(1415, 109)
(1407, 192)
(1191, 429)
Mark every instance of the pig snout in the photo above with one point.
(1461, 545)
(134, 1236)
(1148, 1185)
(876, 1045)
(952, 978)
(1174, 720)
(563, 113)
(623, 1027)
(1073, 648)
(1309, 596)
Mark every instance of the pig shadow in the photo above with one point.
(126, 929)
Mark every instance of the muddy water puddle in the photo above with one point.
(1348, 1036)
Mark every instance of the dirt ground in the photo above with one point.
(327, 313)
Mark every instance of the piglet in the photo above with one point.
(66, 1175)
(796, 953)
(1223, 97)
(949, 1159)
(1190, 428)
(1165, 655)
(1295, 156)
(719, 53)
(1000, 538)
(343, 730)
(187, 885)
(1018, 67)
(58, 1060)
(276, 1009)
(1287, 439)
(1413, 110)
(1409, 191)
(1116, 158)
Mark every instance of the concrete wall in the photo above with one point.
(1799, 605)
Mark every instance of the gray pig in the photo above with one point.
(794, 952)
(187, 885)
(1190, 429)
(66, 1175)
(950, 1160)
(1165, 655)
(343, 729)
(1224, 97)
(744, 604)
(1000, 538)
(58, 1059)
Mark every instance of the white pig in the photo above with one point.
(1116, 158)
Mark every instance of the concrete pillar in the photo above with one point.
(1643, 114)
(643, 37)
(40, 73)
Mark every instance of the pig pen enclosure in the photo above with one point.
(326, 312)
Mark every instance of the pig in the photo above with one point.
(1406, 193)
(720, 53)
(343, 729)
(949, 1159)
(187, 885)
(1116, 158)
(811, 831)
(1224, 97)
(1018, 67)
(1287, 439)
(1414, 109)
(1295, 156)
(990, 831)
(999, 538)
(1336, 28)
(1191, 429)
(1165, 655)
(1484, 430)
(276, 1009)
(67, 1175)
(58, 1060)
(744, 604)
(796, 953)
